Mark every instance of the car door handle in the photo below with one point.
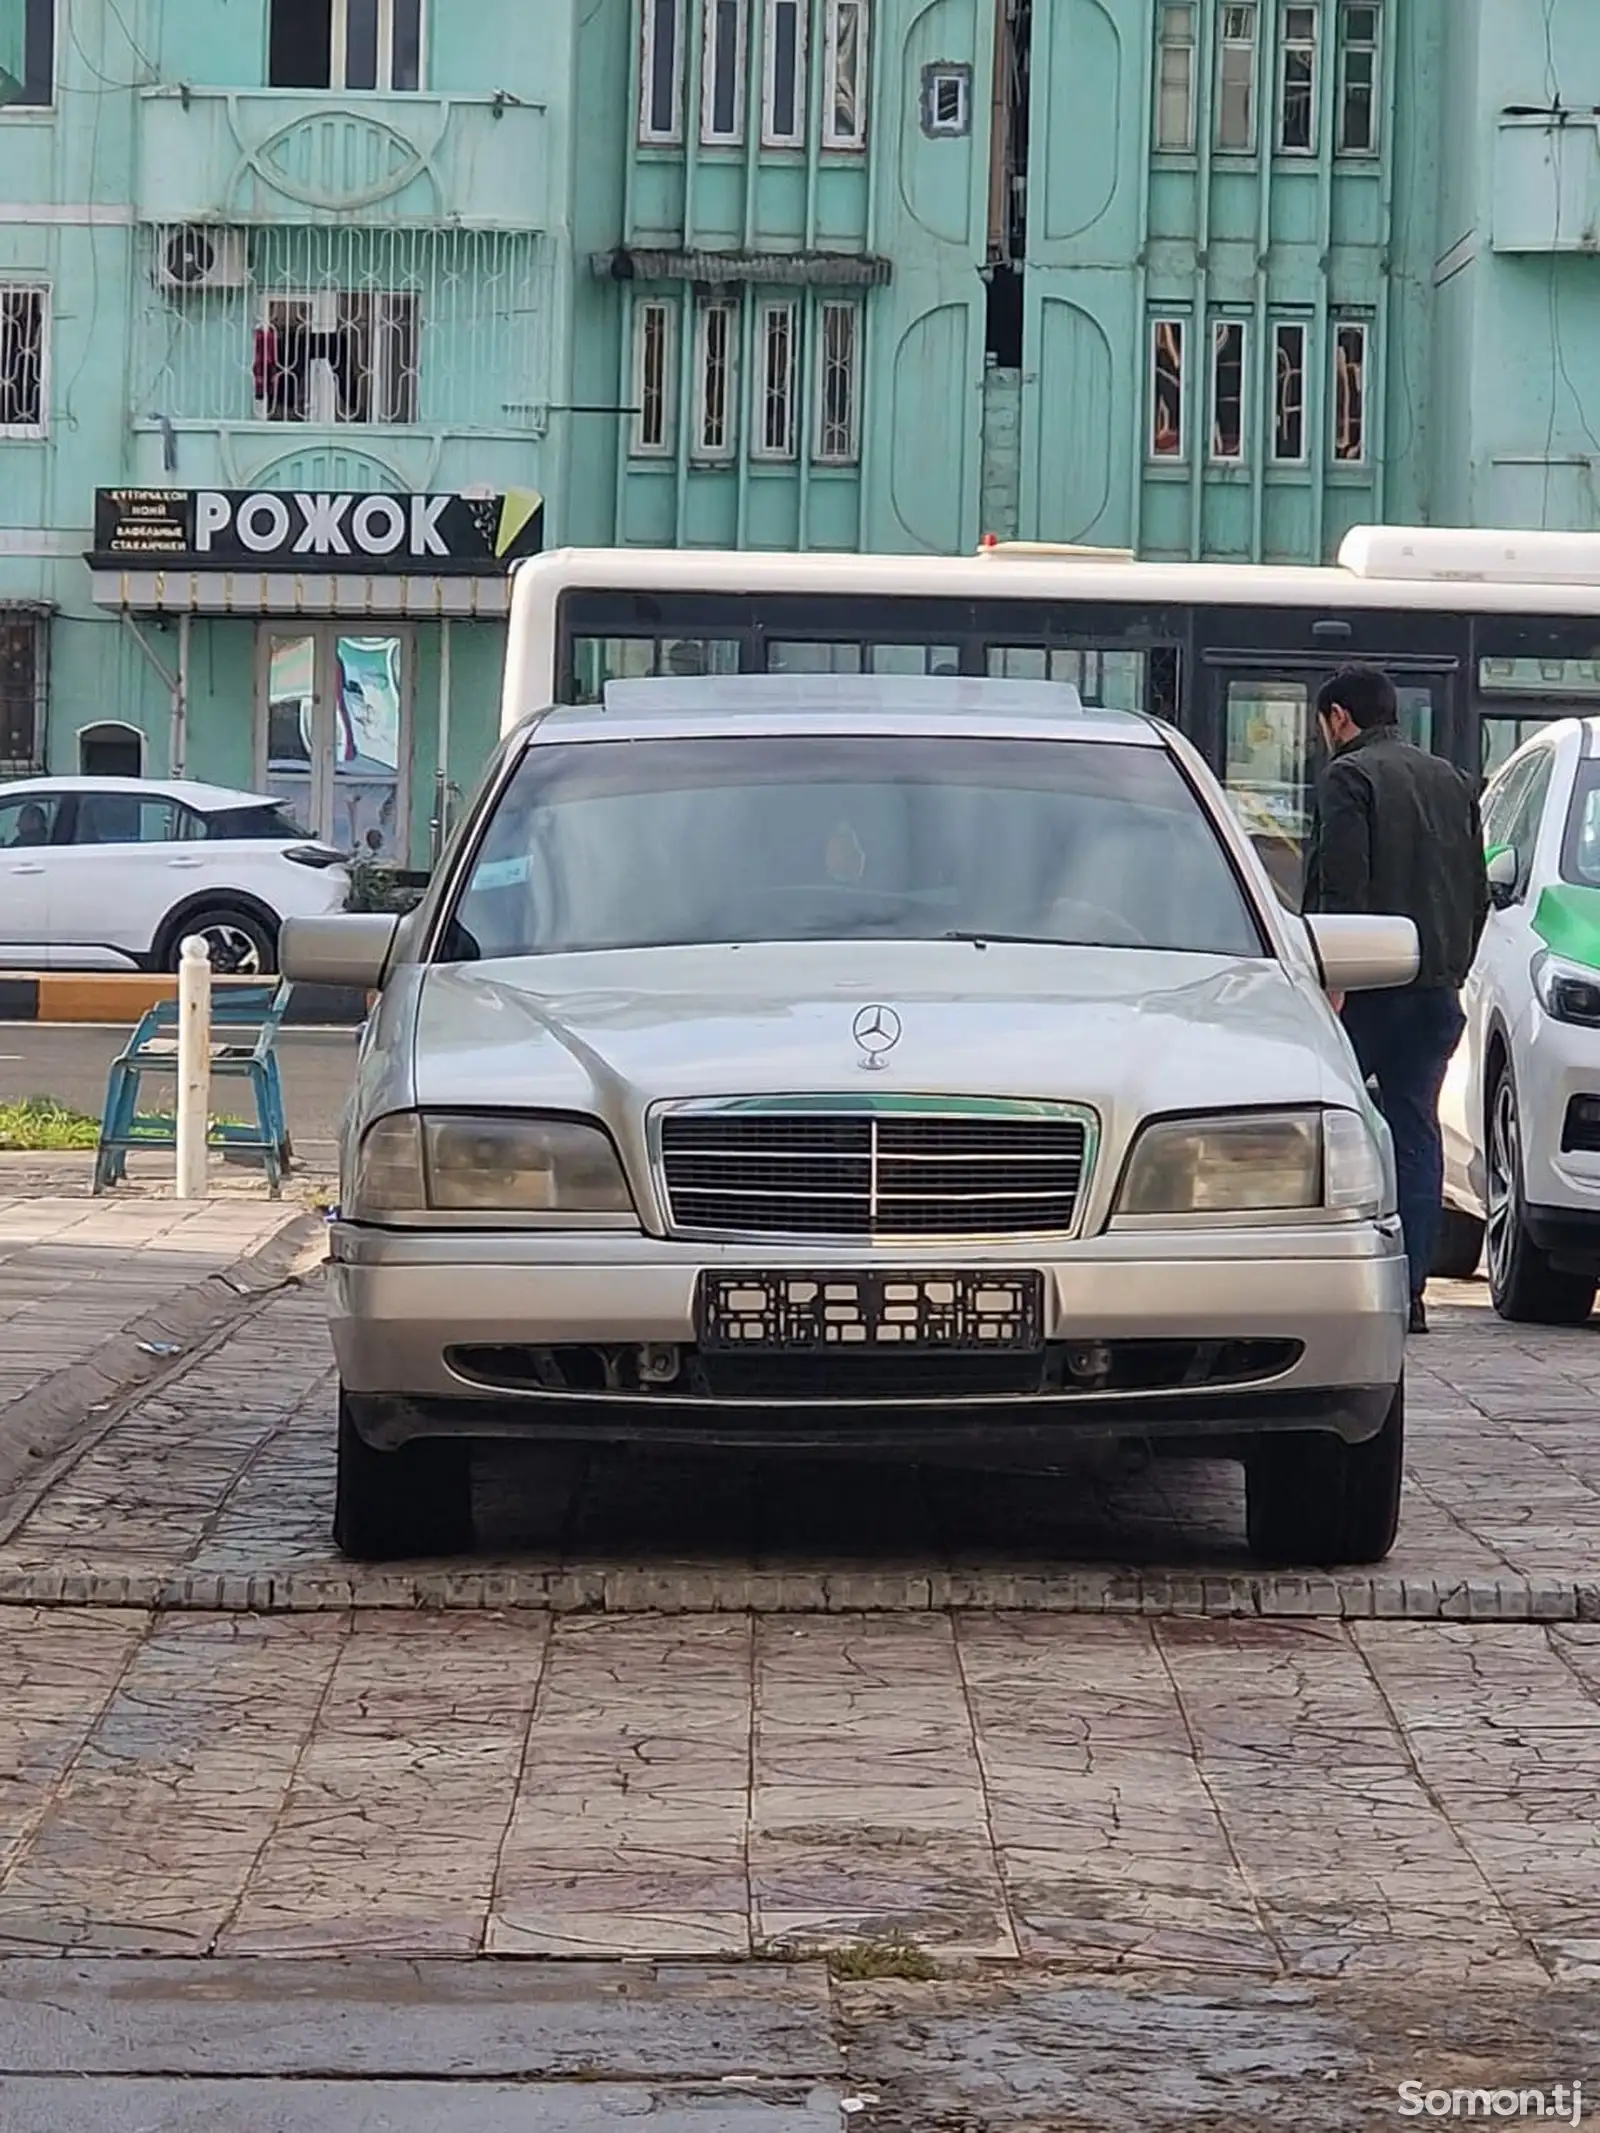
(183, 862)
(27, 870)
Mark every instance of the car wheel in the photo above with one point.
(241, 946)
(414, 1501)
(1523, 1284)
(1460, 1246)
(1312, 1498)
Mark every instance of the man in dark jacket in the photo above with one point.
(1397, 831)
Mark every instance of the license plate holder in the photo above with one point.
(869, 1312)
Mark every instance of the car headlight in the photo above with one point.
(1567, 992)
(1262, 1162)
(487, 1163)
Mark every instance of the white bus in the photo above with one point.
(1485, 634)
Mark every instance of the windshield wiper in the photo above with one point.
(983, 938)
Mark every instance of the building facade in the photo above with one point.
(285, 323)
(336, 314)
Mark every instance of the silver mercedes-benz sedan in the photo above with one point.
(915, 1067)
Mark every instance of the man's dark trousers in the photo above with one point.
(1404, 1041)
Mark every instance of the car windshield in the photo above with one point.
(633, 844)
(235, 825)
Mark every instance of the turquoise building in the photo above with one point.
(314, 317)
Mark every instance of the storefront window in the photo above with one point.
(333, 736)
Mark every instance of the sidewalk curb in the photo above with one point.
(1231, 1597)
(49, 1429)
(58, 996)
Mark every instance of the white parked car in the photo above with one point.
(920, 1068)
(1521, 1104)
(115, 873)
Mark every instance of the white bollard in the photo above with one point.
(194, 1068)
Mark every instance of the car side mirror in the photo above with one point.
(1358, 953)
(1504, 868)
(348, 948)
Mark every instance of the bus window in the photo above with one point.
(847, 656)
(1107, 681)
(1500, 736)
(1416, 714)
(597, 660)
(1267, 772)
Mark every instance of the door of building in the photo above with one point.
(333, 715)
(1264, 712)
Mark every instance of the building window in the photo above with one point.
(777, 376)
(839, 384)
(1358, 79)
(1175, 79)
(37, 84)
(715, 381)
(338, 356)
(24, 353)
(660, 74)
(1297, 82)
(722, 85)
(1166, 388)
(1350, 394)
(1236, 80)
(345, 44)
(652, 378)
(1227, 390)
(946, 102)
(22, 693)
(844, 111)
(1289, 394)
(783, 115)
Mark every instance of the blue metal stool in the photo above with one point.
(244, 1029)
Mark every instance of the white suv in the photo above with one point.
(114, 873)
(1521, 1104)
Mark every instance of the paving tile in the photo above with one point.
(149, 1837)
(388, 1839)
(868, 1815)
(1355, 1869)
(629, 1830)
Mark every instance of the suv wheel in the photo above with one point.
(1460, 1246)
(241, 946)
(1522, 1282)
(1312, 1498)
(412, 1502)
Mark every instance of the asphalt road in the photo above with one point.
(72, 1063)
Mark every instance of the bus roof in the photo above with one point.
(1440, 569)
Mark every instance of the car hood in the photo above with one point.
(1128, 1031)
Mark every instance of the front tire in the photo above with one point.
(416, 1501)
(1460, 1248)
(1312, 1498)
(1523, 1284)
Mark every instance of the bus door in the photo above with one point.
(1264, 714)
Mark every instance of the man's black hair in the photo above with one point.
(1366, 693)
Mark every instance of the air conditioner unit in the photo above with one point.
(201, 257)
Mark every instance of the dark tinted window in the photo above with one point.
(657, 843)
(235, 825)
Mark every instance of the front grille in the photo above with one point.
(871, 1174)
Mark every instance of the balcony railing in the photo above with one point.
(298, 156)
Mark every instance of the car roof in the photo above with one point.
(755, 705)
(205, 799)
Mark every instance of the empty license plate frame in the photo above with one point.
(930, 1311)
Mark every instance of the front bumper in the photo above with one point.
(401, 1305)
(1554, 1063)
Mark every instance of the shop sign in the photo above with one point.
(291, 530)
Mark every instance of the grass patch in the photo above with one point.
(38, 1125)
(863, 1961)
